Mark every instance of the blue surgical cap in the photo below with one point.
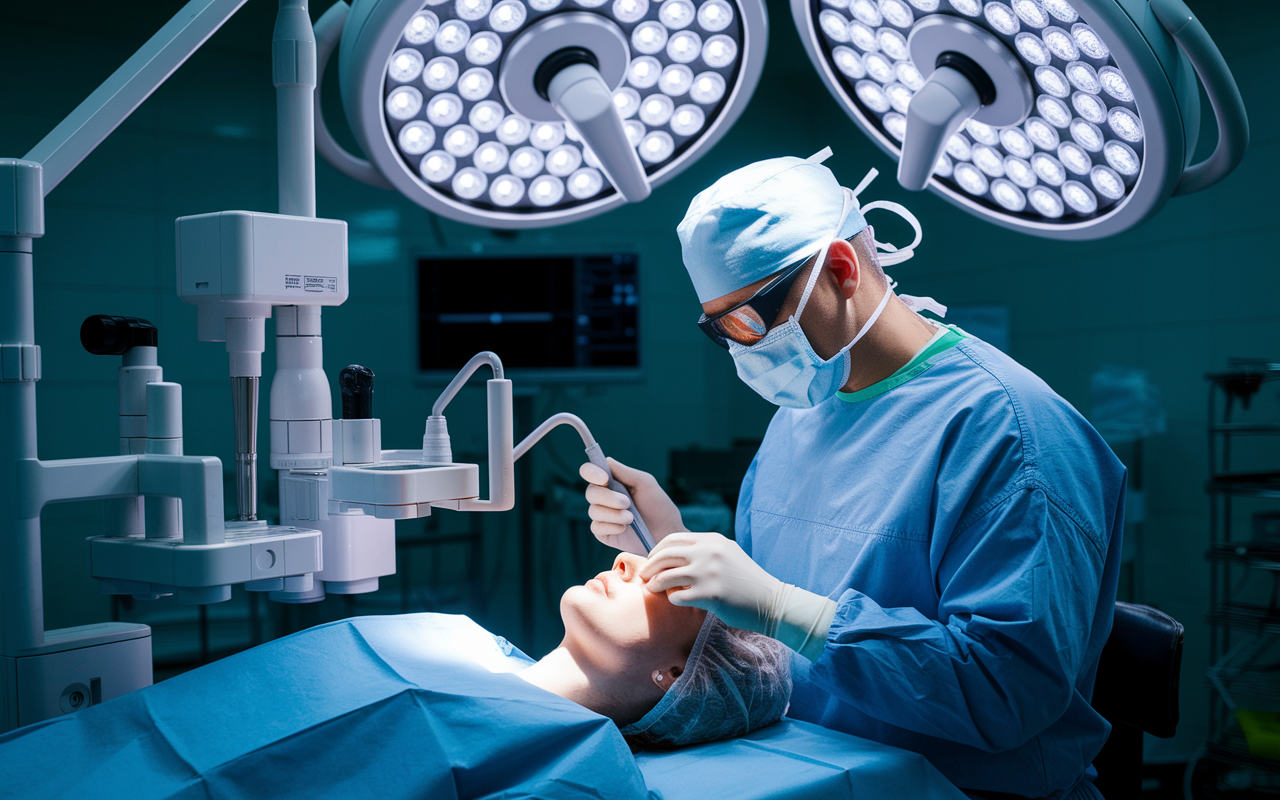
(734, 682)
(759, 219)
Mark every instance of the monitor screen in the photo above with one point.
(549, 316)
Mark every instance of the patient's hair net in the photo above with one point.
(734, 682)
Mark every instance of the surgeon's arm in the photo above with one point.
(1019, 590)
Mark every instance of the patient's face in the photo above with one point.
(623, 627)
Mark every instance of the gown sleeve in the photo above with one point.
(1018, 590)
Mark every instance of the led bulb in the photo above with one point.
(513, 130)
(461, 140)
(927, 6)
(571, 133)
(1061, 10)
(1053, 110)
(649, 38)
(546, 135)
(970, 178)
(509, 15)
(981, 132)
(591, 3)
(1053, 81)
(440, 73)
(675, 14)
(1031, 14)
(719, 51)
(656, 109)
(544, 5)
(1061, 44)
(1016, 143)
(1078, 196)
(1049, 169)
(910, 77)
(635, 132)
(1046, 201)
(834, 25)
(416, 138)
(687, 120)
(1032, 49)
(1114, 83)
(585, 183)
(644, 72)
(1075, 158)
(708, 87)
(1083, 77)
(1004, 192)
(1087, 135)
(1044, 135)
(470, 183)
(959, 148)
(506, 190)
(867, 12)
(879, 67)
(1107, 182)
(630, 10)
(444, 109)
(563, 160)
(863, 38)
(1089, 107)
(895, 124)
(897, 12)
(472, 10)
(589, 158)
(1019, 171)
(899, 96)
(546, 191)
(404, 102)
(943, 168)
(1001, 17)
(526, 162)
(475, 84)
(437, 166)
(1125, 123)
(484, 48)
(893, 44)
(715, 15)
(657, 146)
(871, 95)
(988, 160)
(421, 28)
(627, 101)
(1089, 42)
(684, 46)
(490, 157)
(452, 36)
(1122, 158)
(676, 80)
(405, 65)
(485, 117)
(970, 8)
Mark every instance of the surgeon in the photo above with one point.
(928, 526)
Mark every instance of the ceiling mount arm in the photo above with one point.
(110, 104)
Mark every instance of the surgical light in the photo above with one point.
(1089, 117)
(451, 99)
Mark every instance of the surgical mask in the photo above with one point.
(783, 367)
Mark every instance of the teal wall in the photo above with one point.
(1176, 296)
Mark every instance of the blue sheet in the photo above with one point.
(414, 706)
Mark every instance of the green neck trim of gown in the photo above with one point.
(909, 370)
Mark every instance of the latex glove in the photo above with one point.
(609, 510)
(712, 572)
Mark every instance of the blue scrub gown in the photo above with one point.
(967, 521)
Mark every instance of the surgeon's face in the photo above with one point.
(622, 627)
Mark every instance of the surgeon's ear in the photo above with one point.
(842, 261)
(663, 678)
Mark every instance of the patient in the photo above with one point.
(667, 675)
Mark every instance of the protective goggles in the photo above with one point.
(748, 321)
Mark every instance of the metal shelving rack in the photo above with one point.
(1233, 620)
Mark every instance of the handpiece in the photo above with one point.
(596, 456)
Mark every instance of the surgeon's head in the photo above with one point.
(632, 643)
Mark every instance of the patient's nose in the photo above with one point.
(627, 565)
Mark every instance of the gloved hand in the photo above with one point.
(712, 572)
(609, 509)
